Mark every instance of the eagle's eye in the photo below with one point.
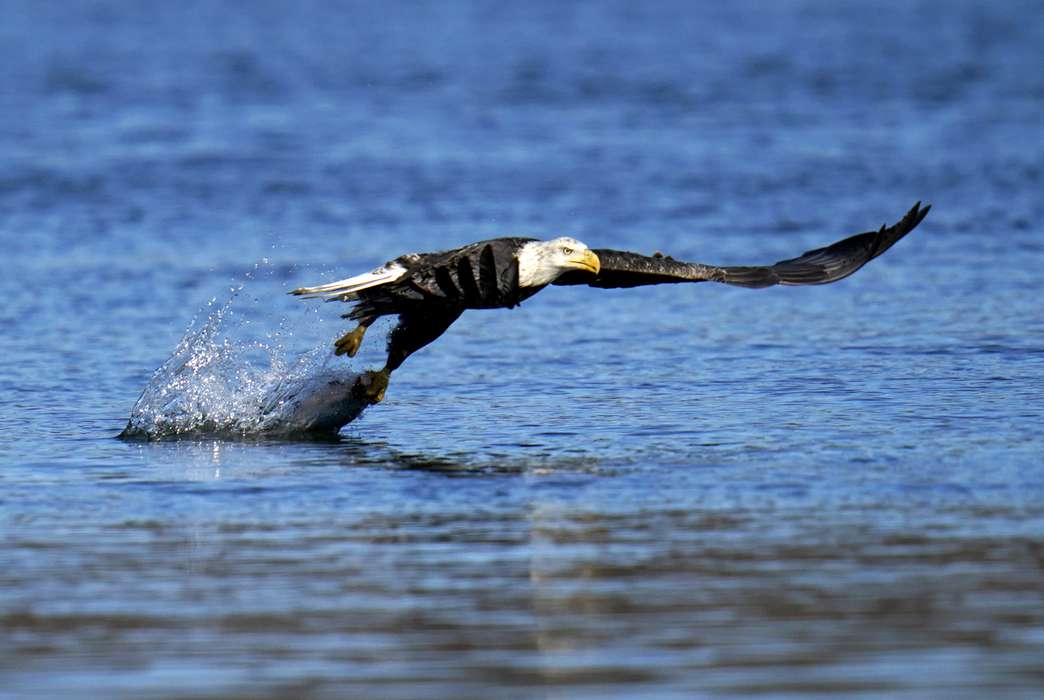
(567, 251)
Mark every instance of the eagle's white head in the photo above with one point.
(541, 262)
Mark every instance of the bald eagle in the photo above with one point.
(429, 291)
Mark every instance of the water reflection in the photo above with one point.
(201, 459)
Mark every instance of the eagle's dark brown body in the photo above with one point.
(481, 275)
(438, 287)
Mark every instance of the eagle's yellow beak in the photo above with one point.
(586, 260)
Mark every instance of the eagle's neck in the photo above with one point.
(535, 268)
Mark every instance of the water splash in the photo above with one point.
(225, 378)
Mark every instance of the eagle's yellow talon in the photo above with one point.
(372, 385)
(349, 343)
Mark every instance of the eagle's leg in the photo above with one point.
(349, 343)
(414, 331)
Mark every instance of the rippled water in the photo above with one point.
(668, 492)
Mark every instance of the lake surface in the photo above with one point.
(669, 492)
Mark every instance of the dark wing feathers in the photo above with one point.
(819, 266)
(837, 261)
(623, 269)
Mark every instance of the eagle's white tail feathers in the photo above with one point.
(347, 289)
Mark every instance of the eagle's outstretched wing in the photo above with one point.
(820, 266)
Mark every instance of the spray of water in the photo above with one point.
(229, 376)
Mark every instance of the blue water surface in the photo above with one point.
(669, 492)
